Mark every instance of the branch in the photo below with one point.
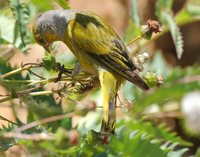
(144, 43)
(7, 120)
(158, 115)
(17, 81)
(82, 83)
(34, 137)
(15, 71)
(43, 121)
(71, 137)
(30, 94)
(189, 79)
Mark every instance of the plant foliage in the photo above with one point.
(21, 14)
(54, 99)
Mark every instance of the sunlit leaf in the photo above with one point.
(21, 14)
(175, 32)
(63, 3)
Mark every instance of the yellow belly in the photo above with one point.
(86, 63)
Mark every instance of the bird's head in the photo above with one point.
(45, 30)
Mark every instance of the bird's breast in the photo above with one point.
(85, 61)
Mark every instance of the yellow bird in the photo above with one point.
(98, 49)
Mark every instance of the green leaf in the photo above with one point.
(164, 13)
(48, 62)
(45, 104)
(135, 13)
(134, 144)
(160, 132)
(178, 153)
(197, 153)
(21, 14)
(175, 32)
(193, 10)
(132, 31)
(166, 93)
(189, 13)
(63, 3)
(7, 29)
(6, 143)
(43, 5)
(11, 87)
(163, 5)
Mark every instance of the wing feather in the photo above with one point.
(92, 36)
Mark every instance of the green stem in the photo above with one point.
(53, 79)
(30, 94)
(6, 99)
(15, 72)
(17, 81)
(41, 93)
(143, 43)
(134, 40)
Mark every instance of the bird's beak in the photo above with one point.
(47, 47)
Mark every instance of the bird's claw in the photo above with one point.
(62, 70)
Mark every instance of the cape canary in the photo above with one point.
(98, 49)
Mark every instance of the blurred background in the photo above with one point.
(174, 55)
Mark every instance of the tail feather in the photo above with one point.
(134, 78)
(108, 122)
(109, 86)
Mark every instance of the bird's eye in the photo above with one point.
(41, 40)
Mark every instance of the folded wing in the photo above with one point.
(92, 36)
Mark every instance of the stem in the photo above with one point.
(15, 72)
(41, 93)
(7, 120)
(34, 137)
(53, 79)
(33, 82)
(134, 40)
(6, 99)
(17, 81)
(43, 121)
(157, 115)
(30, 94)
(143, 43)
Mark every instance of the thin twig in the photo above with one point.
(17, 81)
(43, 121)
(6, 99)
(157, 115)
(134, 40)
(31, 72)
(24, 67)
(30, 94)
(15, 72)
(189, 79)
(7, 120)
(28, 64)
(144, 43)
(21, 93)
(71, 136)
(33, 137)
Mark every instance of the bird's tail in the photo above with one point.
(109, 118)
(109, 86)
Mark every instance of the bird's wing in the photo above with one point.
(99, 41)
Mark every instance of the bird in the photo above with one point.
(98, 49)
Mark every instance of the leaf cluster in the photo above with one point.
(50, 129)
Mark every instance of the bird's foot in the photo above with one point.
(77, 69)
(62, 70)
